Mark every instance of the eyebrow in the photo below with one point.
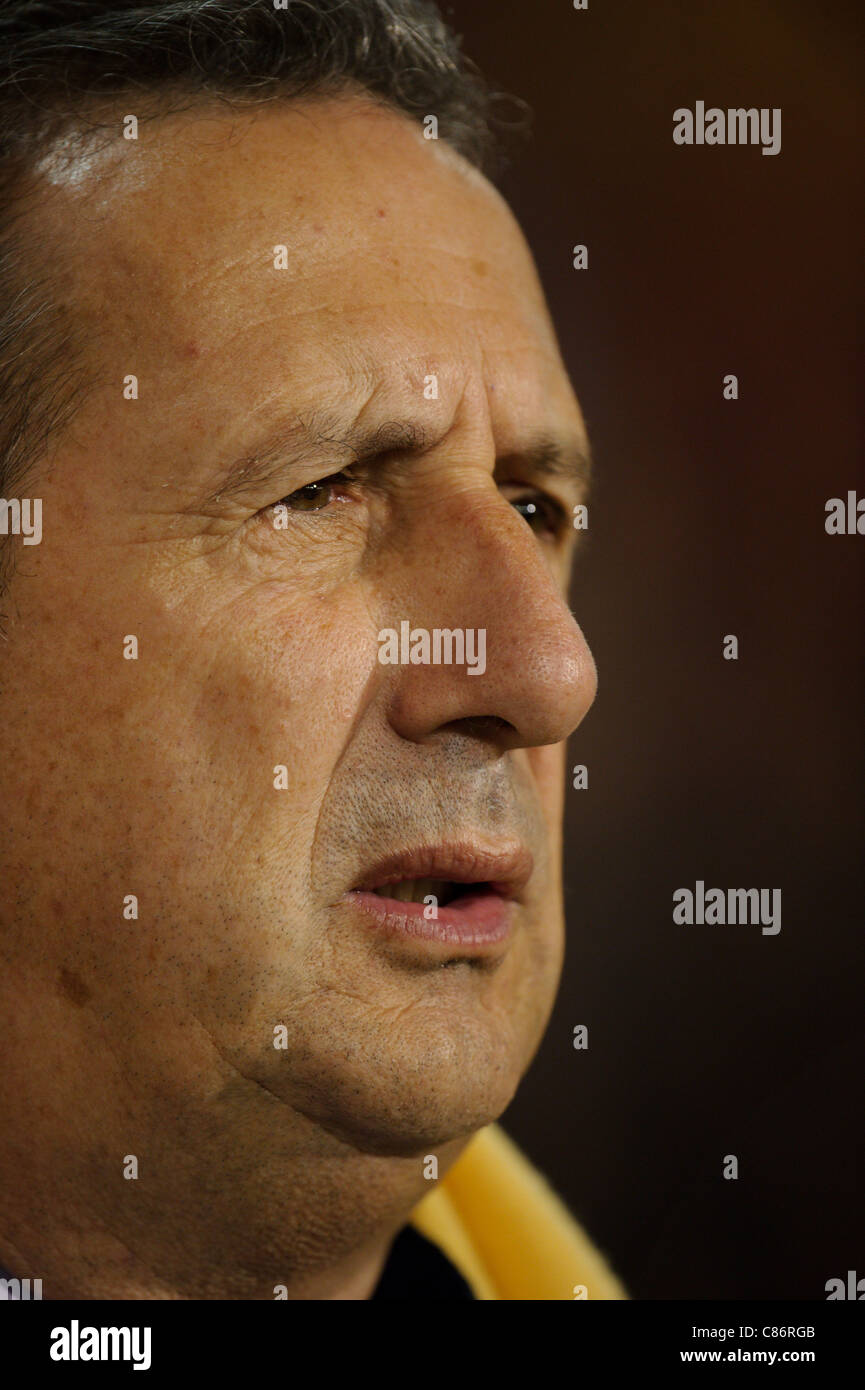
(549, 457)
(322, 436)
(319, 435)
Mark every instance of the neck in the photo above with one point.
(119, 1186)
(266, 1207)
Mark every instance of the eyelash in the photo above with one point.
(331, 481)
(557, 518)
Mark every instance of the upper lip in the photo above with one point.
(507, 870)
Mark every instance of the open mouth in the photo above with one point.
(448, 872)
(439, 891)
(459, 895)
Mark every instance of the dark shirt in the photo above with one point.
(417, 1269)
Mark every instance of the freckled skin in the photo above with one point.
(154, 1036)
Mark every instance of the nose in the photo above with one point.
(476, 568)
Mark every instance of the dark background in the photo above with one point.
(707, 519)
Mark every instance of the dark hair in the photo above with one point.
(62, 62)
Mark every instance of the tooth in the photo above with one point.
(429, 887)
(401, 891)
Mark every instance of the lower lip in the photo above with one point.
(475, 920)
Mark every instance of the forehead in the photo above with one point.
(321, 243)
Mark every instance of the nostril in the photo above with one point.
(482, 726)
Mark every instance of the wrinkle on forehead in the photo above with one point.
(398, 252)
(306, 166)
(186, 245)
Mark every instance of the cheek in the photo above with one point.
(267, 696)
(200, 767)
(247, 719)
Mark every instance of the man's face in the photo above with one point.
(406, 312)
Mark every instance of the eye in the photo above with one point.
(314, 497)
(541, 512)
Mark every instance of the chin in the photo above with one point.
(426, 1093)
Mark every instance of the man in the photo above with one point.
(287, 677)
